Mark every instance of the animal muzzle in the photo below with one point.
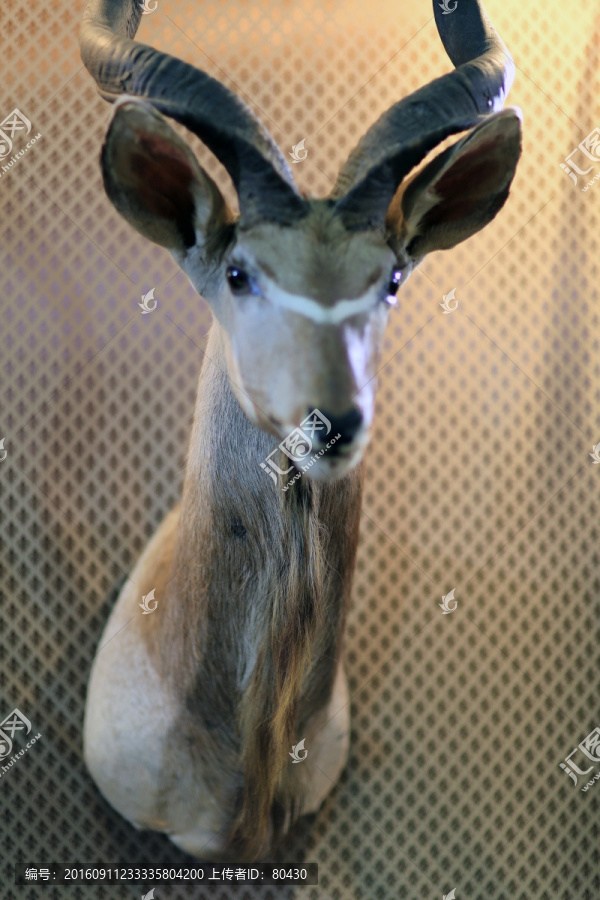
(344, 431)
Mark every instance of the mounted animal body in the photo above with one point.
(192, 712)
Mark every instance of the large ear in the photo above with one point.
(458, 192)
(155, 182)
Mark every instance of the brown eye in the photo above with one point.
(238, 280)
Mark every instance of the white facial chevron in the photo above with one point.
(311, 309)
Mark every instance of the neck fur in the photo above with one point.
(258, 600)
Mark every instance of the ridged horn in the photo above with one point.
(413, 126)
(222, 121)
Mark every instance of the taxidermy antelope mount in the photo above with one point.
(192, 712)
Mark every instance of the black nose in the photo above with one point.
(347, 425)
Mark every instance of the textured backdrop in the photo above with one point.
(479, 479)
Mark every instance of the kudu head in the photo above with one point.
(302, 287)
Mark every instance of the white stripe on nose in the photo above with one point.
(311, 309)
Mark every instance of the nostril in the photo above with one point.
(346, 425)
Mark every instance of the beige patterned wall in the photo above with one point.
(479, 473)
